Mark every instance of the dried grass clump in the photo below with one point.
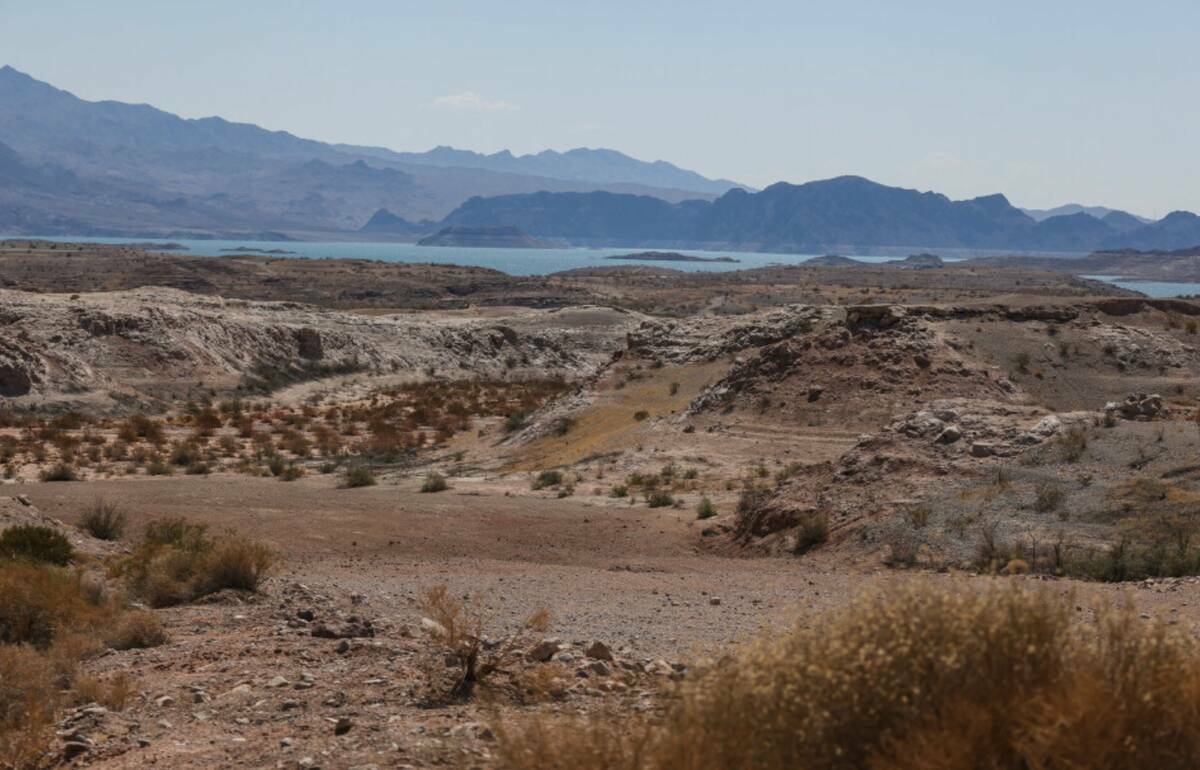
(457, 626)
(1001, 678)
(103, 520)
(178, 562)
(50, 620)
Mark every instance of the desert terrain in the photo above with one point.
(667, 463)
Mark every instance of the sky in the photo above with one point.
(1047, 102)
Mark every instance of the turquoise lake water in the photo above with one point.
(1156, 289)
(544, 261)
(511, 261)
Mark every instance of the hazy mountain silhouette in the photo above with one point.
(845, 212)
(582, 164)
(221, 176)
(69, 166)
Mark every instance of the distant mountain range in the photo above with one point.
(78, 167)
(581, 165)
(1099, 212)
(846, 213)
(74, 167)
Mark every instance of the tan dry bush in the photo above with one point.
(136, 630)
(41, 602)
(29, 696)
(178, 562)
(916, 677)
(458, 626)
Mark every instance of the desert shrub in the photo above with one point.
(903, 549)
(1002, 678)
(1021, 362)
(1072, 444)
(359, 476)
(178, 562)
(103, 520)
(29, 697)
(1048, 497)
(60, 472)
(751, 501)
(514, 422)
(640, 415)
(33, 542)
(291, 472)
(458, 626)
(434, 482)
(659, 498)
(812, 530)
(619, 490)
(235, 562)
(136, 630)
(547, 479)
(158, 468)
(43, 602)
(918, 516)
(705, 509)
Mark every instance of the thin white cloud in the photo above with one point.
(469, 101)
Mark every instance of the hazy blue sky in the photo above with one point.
(1047, 102)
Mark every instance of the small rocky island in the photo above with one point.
(495, 237)
(670, 256)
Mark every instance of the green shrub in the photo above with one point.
(706, 509)
(640, 415)
(547, 479)
(36, 543)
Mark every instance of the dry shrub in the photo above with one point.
(998, 678)
(136, 630)
(178, 562)
(50, 620)
(458, 627)
(29, 696)
(33, 542)
(41, 602)
(103, 520)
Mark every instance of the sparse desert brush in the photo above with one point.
(659, 499)
(135, 630)
(43, 602)
(35, 543)
(812, 530)
(619, 490)
(705, 509)
(178, 561)
(459, 627)
(547, 478)
(60, 472)
(291, 472)
(29, 697)
(751, 502)
(1005, 678)
(358, 476)
(50, 619)
(434, 482)
(1048, 497)
(103, 520)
